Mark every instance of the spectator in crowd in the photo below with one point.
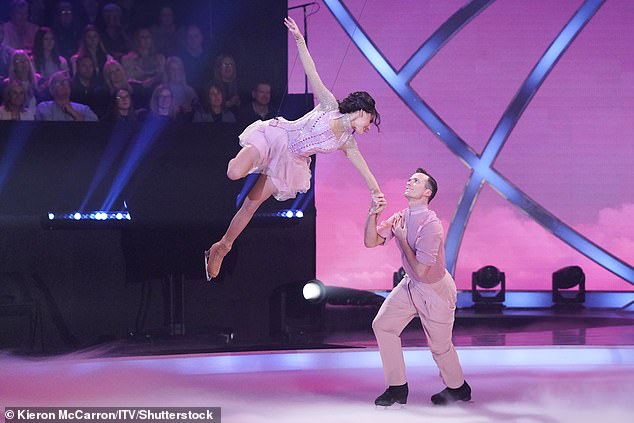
(91, 45)
(21, 70)
(19, 32)
(115, 38)
(122, 107)
(184, 96)
(116, 78)
(61, 108)
(14, 105)
(165, 32)
(87, 89)
(45, 56)
(196, 58)
(226, 75)
(213, 107)
(162, 103)
(67, 29)
(5, 55)
(89, 11)
(143, 64)
(259, 107)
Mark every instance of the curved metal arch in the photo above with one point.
(481, 164)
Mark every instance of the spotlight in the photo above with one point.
(488, 288)
(564, 280)
(296, 308)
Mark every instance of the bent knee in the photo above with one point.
(233, 172)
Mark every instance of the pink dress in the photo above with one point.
(285, 146)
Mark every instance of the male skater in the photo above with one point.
(427, 290)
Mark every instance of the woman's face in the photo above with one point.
(16, 96)
(48, 41)
(123, 100)
(116, 75)
(21, 66)
(165, 99)
(85, 68)
(215, 97)
(194, 37)
(166, 16)
(362, 122)
(92, 40)
(175, 72)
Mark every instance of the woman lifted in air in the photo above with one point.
(279, 150)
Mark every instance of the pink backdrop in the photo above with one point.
(571, 150)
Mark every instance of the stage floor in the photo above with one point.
(510, 384)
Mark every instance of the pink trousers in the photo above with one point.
(436, 305)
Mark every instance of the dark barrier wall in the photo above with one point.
(99, 281)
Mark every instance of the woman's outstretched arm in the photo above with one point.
(324, 96)
(353, 154)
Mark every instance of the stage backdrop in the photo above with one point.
(570, 152)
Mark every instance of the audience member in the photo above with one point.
(213, 107)
(67, 29)
(226, 75)
(91, 45)
(21, 70)
(184, 96)
(61, 108)
(5, 55)
(122, 107)
(87, 89)
(14, 105)
(259, 106)
(115, 39)
(45, 56)
(116, 79)
(143, 64)
(162, 103)
(19, 32)
(165, 32)
(197, 59)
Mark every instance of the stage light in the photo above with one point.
(564, 280)
(78, 219)
(51, 216)
(488, 288)
(299, 213)
(314, 291)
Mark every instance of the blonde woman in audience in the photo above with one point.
(162, 103)
(14, 106)
(184, 96)
(21, 70)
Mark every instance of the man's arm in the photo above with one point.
(400, 232)
(372, 237)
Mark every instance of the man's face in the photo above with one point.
(85, 68)
(416, 187)
(61, 89)
(262, 94)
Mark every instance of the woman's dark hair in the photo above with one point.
(431, 183)
(38, 49)
(205, 101)
(360, 100)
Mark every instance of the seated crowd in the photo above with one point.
(82, 63)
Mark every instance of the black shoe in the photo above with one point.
(449, 395)
(393, 395)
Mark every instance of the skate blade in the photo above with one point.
(395, 406)
(207, 254)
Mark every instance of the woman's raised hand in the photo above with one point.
(292, 27)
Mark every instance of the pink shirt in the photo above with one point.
(425, 235)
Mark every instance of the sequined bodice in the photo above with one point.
(312, 133)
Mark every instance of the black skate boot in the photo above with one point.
(448, 395)
(393, 395)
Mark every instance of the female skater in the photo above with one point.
(280, 150)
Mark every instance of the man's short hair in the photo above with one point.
(431, 183)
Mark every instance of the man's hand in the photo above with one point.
(400, 228)
(378, 203)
